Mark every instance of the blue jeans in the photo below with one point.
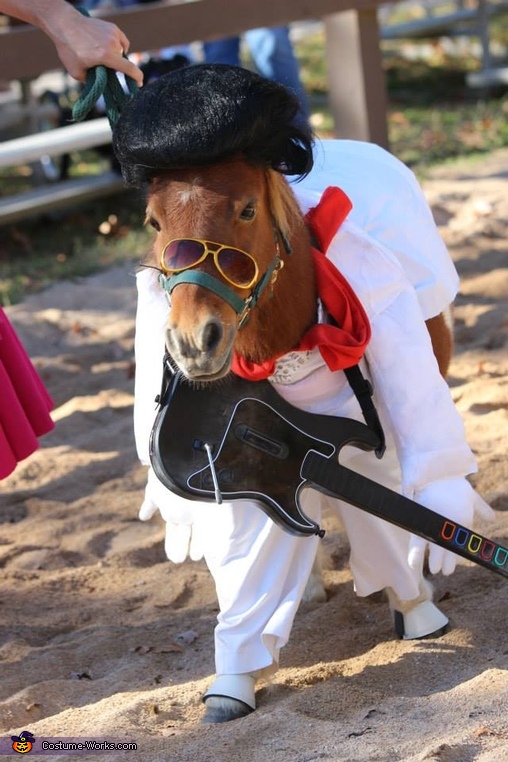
(272, 52)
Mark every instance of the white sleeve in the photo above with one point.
(392, 208)
(413, 399)
(151, 316)
(413, 396)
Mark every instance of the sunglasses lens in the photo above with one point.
(180, 255)
(238, 267)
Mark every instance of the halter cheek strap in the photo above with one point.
(242, 307)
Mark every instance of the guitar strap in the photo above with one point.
(363, 391)
(362, 388)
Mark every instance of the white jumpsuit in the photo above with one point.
(391, 253)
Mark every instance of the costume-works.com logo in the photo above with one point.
(23, 743)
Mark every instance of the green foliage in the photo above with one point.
(422, 136)
(71, 244)
(433, 115)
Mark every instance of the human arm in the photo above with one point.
(81, 42)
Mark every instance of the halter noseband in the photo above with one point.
(242, 307)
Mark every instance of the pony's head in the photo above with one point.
(211, 143)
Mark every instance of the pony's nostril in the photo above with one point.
(179, 345)
(211, 336)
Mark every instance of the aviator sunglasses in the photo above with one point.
(237, 267)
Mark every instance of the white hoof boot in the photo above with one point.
(419, 618)
(229, 698)
(423, 621)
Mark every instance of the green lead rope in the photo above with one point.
(101, 81)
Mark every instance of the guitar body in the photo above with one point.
(238, 439)
(257, 450)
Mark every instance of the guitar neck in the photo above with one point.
(338, 481)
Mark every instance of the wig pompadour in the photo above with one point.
(208, 113)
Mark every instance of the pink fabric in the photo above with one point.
(25, 404)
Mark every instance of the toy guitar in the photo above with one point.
(239, 439)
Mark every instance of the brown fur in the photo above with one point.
(440, 329)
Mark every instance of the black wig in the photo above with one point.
(208, 113)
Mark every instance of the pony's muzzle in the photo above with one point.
(205, 340)
(205, 352)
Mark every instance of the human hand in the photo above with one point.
(455, 499)
(83, 42)
(183, 537)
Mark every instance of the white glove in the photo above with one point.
(455, 499)
(183, 536)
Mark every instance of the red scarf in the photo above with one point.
(341, 345)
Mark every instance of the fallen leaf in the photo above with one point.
(171, 647)
(485, 731)
(142, 649)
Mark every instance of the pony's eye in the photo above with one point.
(154, 224)
(248, 212)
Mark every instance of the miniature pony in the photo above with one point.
(258, 276)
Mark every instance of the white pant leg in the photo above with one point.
(379, 549)
(260, 572)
